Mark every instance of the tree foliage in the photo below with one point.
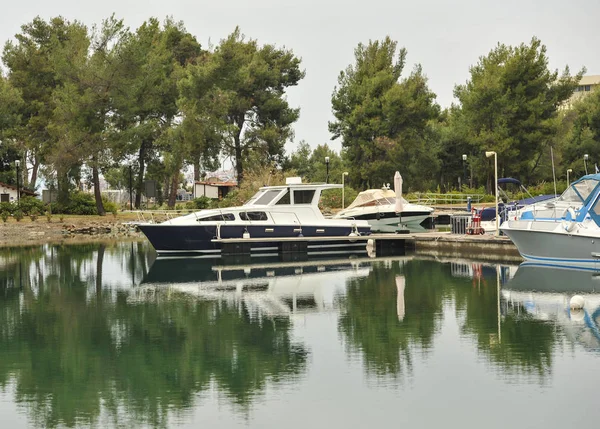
(241, 86)
(510, 105)
(383, 120)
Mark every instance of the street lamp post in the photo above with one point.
(569, 170)
(343, 175)
(489, 154)
(464, 158)
(585, 158)
(327, 169)
(17, 163)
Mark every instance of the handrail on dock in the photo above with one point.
(428, 198)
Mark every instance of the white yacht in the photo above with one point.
(289, 210)
(571, 238)
(377, 206)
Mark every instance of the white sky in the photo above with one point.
(446, 37)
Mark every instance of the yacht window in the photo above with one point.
(253, 216)
(225, 216)
(267, 197)
(285, 199)
(304, 196)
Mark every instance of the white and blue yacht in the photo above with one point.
(289, 210)
(569, 238)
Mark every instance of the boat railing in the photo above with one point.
(431, 199)
(158, 216)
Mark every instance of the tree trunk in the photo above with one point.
(197, 169)
(239, 166)
(62, 179)
(34, 171)
(140, 179)
(173, 190)
(97, 194)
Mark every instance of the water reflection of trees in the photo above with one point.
(369, 321)
(74, 349)
(515, 344)
(370, 327)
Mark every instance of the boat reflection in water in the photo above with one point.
(270, 288)
(545, 293)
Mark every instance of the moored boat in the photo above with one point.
(378, 207)
(289, 210)
(571, 238)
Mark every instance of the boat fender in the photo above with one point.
(577, 302)
(569, 225)
(246, 234)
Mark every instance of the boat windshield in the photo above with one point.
(263, 198)
(253, 199)
(578, 192)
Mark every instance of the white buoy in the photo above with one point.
(246, 234)
(577, 302)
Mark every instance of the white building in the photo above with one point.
(8, 193)
(213, 189)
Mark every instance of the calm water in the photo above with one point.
(107, 336)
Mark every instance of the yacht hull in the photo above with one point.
(389, 221)
(549, 243)
(197, 239)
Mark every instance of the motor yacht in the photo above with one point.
(289, 210)
(377, 206)
(570, 238)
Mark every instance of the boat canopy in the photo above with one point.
(580, 190)
(504, 180)
(375, 197)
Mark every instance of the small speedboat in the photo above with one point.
(285, 211)
(570, 238)
(378, 207)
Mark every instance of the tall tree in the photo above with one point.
(30, 69)
(510, 105)
(10, 106)
(381, 119)
(583, 124)
(84, 107)
(243, 86)
(147, 106)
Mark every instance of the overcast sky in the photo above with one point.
(445, 37)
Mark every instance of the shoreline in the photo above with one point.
(73, 229)
(86, 229)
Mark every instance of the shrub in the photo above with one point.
(81, 204)
(33, 214)
(30, 204)
(202, 202)
(18, 215)
(49, 216)
(7, 207)
(4, 215)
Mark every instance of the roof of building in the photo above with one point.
(23, 190)
(224, 184)
(590, 80)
